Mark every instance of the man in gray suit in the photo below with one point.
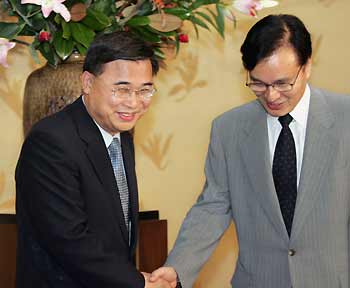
(290, 206)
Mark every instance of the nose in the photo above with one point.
(271, 94)
(133, 100)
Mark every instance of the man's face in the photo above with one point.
(113, 113)
(281, 67)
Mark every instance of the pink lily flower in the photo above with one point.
(47, 6)
(5, 46)
(251, 7)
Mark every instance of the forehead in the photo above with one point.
(283, 63)
(128, 71)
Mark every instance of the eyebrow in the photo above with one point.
(128, 83)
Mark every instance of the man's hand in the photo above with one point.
(159, 283)
(166, 273)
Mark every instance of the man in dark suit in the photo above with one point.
(279, 168)
(77, 199)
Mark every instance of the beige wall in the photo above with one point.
(203, 81)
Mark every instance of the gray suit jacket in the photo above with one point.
(239, 186)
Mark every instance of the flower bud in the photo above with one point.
(183, 38)
(44, 36)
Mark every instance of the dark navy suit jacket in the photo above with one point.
(71, 230)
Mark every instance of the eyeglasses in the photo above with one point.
(125, 92)
(280, 87)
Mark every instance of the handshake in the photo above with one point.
(163, 277)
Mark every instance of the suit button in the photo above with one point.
(291, 252)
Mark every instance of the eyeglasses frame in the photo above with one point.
(274, 84)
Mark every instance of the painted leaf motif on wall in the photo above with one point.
(317, 42)
(156, 148)
(327, 3)
(188, 73)
(10, 92)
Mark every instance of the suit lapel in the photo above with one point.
(98, 155)
(317, 155)
(256, 156)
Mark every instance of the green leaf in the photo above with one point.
(96, 20)
(114, 27)
(195, 29)
(164, 34)
(212, 13)
(177, 45)
(34, 53)
(10, 30)
(105, 7)
(198, 3)
(31, 9)
(28, 32)
(159, 53)
(58, 19)
(82, 50)
(198, 22)
(220, 20)
(17, 6)
(38, 22)
(66, 30)
(21, 11)
(221, 28)
(180, 12)
(49, 54)
(145, 34)
(35, 44)
(138, 21)
(64, 48)
(207, 18)
(81, 33)
(145, 9)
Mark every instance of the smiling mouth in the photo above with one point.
(125, 116)
(274, 106)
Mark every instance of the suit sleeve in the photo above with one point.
(48, 181)
(206, 221)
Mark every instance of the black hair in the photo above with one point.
(118, 45)
(273, 32)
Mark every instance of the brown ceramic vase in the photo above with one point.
(48, 90)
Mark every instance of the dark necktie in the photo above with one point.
(284, 171)
(115, 153)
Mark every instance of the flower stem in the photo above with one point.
(20, 14)
(34, 13)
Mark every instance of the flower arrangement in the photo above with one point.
(59, 27)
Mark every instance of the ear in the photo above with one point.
(86, 79)
(308, 67)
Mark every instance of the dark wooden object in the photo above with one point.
(152, 247)
(151, 250)
(8, 242)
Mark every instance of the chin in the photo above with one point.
(127, 127)
(276, 112)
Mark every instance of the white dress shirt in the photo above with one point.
(107, 138)
(297, 126)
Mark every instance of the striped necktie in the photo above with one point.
(115, 153)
